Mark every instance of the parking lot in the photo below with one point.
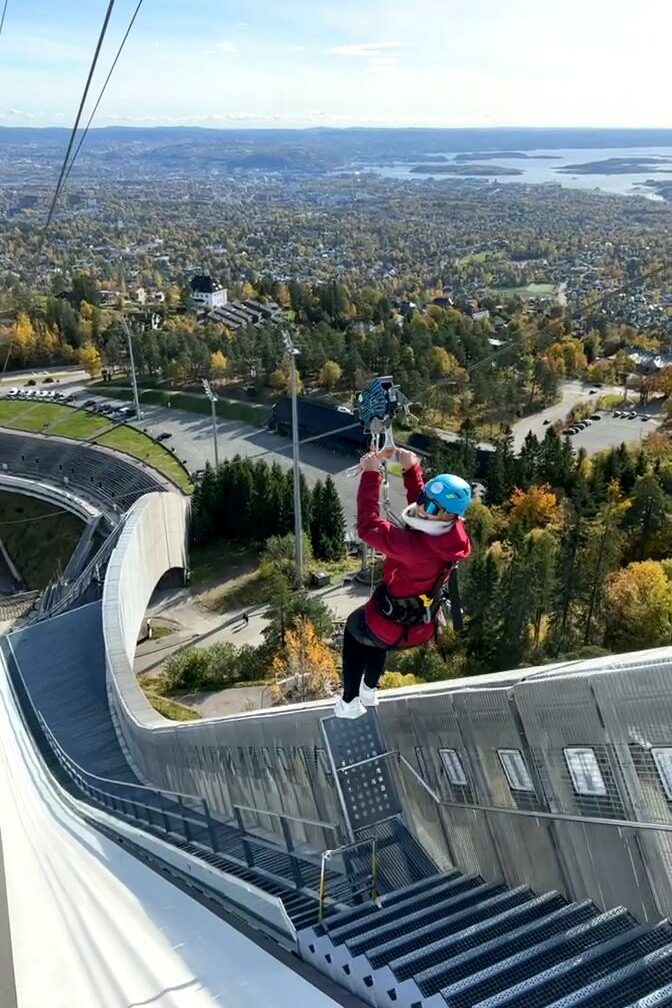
(612, 429)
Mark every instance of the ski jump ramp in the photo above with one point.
(557, 777)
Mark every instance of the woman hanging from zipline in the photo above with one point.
(419, 561)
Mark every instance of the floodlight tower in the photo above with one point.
(293, 352)
(213, 400)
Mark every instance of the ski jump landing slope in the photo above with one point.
(92, 927)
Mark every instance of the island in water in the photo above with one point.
(619, 166)
(464, 170)
(506, 154)
(660, 187)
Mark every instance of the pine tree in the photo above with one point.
(480, 592)
(331, 539)
(646, 517)
(316, 518)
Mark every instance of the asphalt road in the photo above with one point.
(191, 439)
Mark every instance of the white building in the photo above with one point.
(207, 293)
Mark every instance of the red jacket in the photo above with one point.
(413, 560)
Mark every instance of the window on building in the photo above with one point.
(585, 772)
(453, 766)
(515, 768)
(662, 757)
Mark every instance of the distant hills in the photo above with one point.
(190, 148)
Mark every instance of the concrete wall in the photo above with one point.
(550, 829)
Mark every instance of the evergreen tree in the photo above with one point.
(480, 592)
(646, 516)
(316, 518)
(332, 526)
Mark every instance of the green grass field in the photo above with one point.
(531, 291)
(52, 418)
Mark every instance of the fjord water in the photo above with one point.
(540, 166)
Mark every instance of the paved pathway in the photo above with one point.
(197, 627)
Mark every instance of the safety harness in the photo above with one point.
(412, 610)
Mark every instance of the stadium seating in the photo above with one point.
(99, 474)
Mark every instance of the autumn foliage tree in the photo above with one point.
(307, 662)
(639, 606)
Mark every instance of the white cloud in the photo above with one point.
(226, 47)
(364, 50)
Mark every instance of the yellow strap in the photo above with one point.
(426, 600)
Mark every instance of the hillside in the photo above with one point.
(39, 538)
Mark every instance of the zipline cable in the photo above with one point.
(102, 92)
(2, 19)
(73, 134)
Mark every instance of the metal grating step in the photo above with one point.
(485, 903)
(352, 914)
(466, 890)
(595, 964)
(472, 938)
(400, 910)
(658, 999)
(650, 974)
(488, 954)
(512, 972)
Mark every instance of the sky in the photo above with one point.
(221, 63)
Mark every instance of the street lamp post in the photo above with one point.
(134, 380)
(213, 399)
(298, 524)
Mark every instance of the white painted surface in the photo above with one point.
(92, 926)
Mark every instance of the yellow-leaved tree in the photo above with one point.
(306, 668)
(330, 374)
(534, 508)
(24, 339)
(218, 364)
(638, 604)
(90, 359)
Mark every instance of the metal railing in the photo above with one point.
(394, 754)
(363, 878)
(188, 819)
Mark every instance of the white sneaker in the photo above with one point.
(353, 709)
(368, 695)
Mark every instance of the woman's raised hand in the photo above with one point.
(406, 459)
(370, 462)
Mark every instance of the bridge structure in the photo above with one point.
(505, 840)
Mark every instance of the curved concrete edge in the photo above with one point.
(7, 980)
(152, 542)
(58, 496)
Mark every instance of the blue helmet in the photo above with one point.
(445, 493)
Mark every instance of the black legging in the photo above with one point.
(360, 660)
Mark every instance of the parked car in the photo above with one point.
(570, 432)
(588, 423)
(31, 381)
(632, 416)
(595, 416)
(13, 393)
(547, 421)
(164, 436)
(617, 413)
(45, 381)
(645, 417)
(88, 403)
(593, 391)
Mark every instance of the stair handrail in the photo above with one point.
(327, 856)
(290, 818)
(508, 809)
